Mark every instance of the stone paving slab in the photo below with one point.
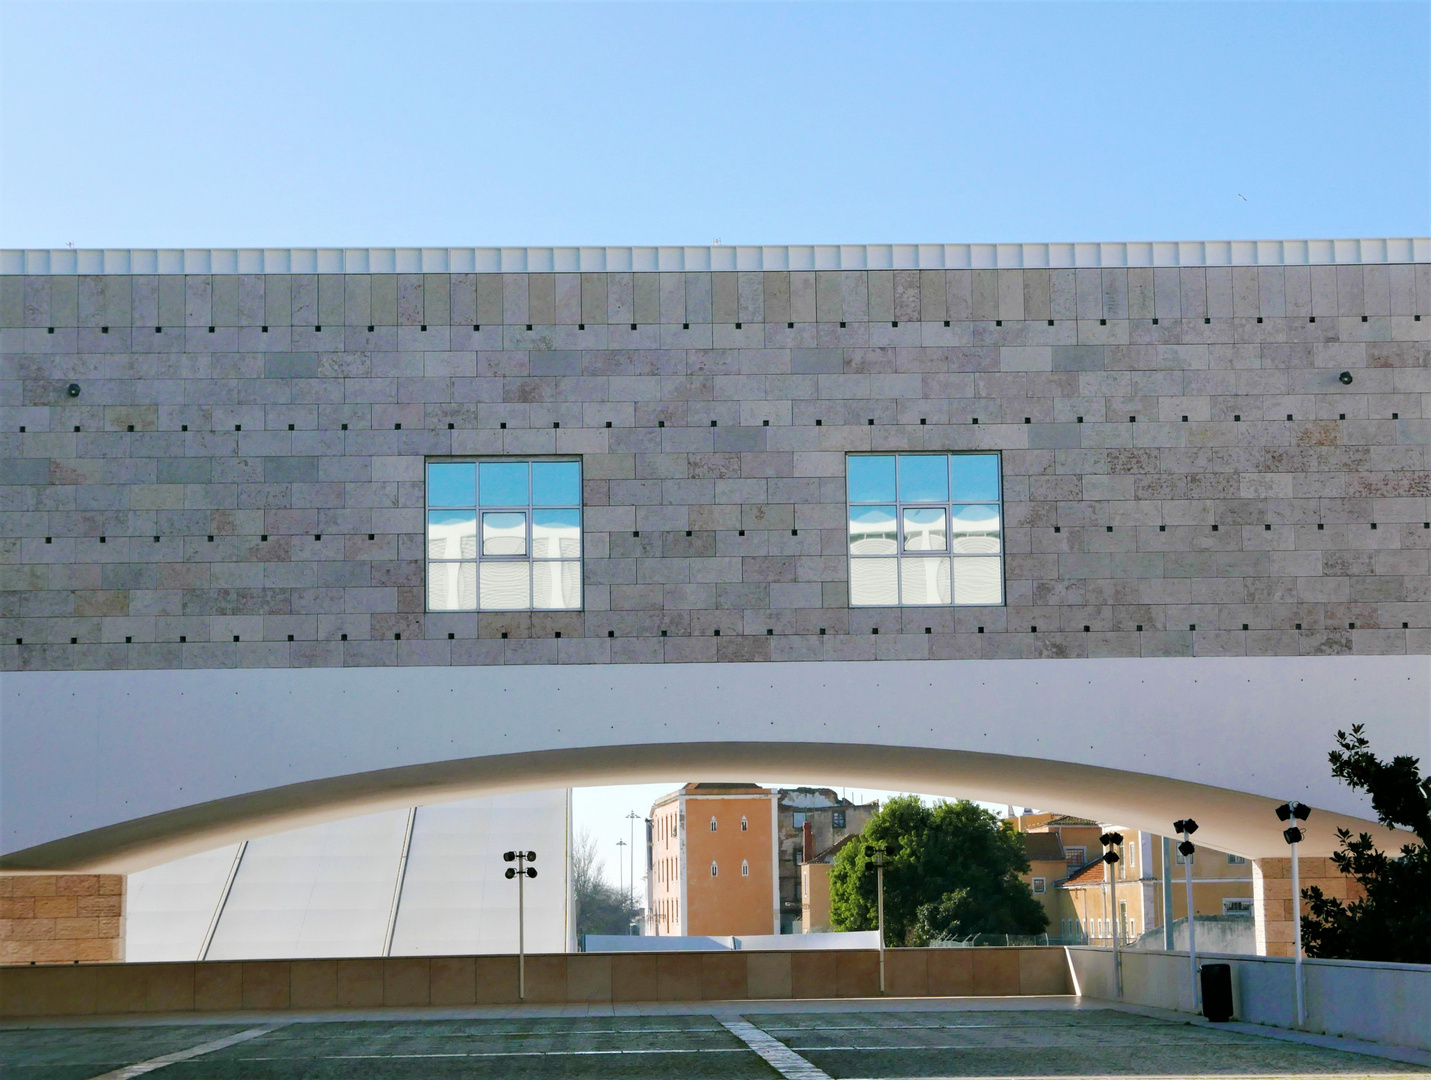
(853, 1040)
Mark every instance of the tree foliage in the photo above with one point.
(949, 869)
(1392, 921)
(601, 908)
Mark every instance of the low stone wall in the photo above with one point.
(224, 986)
(1381, 1003)
(61, 918)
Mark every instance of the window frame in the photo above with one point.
(528, 510)
(949, 506)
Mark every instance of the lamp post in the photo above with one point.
(1187, 826)
(521, 872)
(633, 817)
(1111, 842)
(1294, 812)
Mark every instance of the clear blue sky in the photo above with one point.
(209, 124)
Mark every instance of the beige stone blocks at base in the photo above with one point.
(280, 985)
(61, 918)
(1273, 902)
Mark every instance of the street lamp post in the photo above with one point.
(1187, 826)
(876, 855)
(1294, 812)
(521, 872)
(633, 817)
(1111, 842)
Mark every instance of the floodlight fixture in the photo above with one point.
(1186, 848)
(511, 873)
(1293, 835)
(509, 856)
(531, 856)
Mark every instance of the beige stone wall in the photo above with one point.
(1272, 897)
(225, 986)
(61, 918)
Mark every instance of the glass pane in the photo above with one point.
(504, 534)
(502, 483)
(923, 478)
(976, 477)
(873, 531)
(556, 534)
(924, 529)
(874, 582)
(924, 581)
(452, 586)
(871, 479)
(452, 534)
(506, 586)
(453, 484)
(556, 585)
(978, 581)
(975, 530)
(556, 483)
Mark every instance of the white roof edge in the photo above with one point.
(521, 260)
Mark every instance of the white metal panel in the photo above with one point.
(167, 908)
(315, 892)
(456, 898)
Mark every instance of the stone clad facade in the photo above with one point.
(1184, 472)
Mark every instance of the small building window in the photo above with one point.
(1182, 859)
(1075, 856)
(837, 819)
(1040, 886)
(925, 529)
(713, 825)
(744, 868)
(715, 871)
(504, 535)
(799, 856)
(798, 819)
(1235, 860)
(1236, 905)
(744, 824)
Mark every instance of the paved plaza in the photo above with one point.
(755, 1041)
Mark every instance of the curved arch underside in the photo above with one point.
(119, 770)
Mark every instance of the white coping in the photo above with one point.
(518, 260)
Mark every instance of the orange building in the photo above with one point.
(711, 861)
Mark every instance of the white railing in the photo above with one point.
(1381, 1003)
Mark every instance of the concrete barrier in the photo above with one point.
(1381, 1003)
(225, 986)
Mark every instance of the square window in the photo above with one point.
(504, 535)
(903, 508)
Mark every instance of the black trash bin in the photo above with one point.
(1216, 992)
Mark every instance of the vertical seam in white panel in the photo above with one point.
(397, 885)
(223, 902)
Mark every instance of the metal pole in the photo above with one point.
(1192, 929)
(1297, 937)
(1168, 942)
(1113, 909)
(521, 929)
(879, 891)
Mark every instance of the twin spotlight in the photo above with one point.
(526, 856)
(1293, 812)
(1186, 826)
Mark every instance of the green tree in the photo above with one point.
(950, 868)
(1392, 921)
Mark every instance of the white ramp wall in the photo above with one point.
(328, 890)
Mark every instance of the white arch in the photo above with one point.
(119, 770)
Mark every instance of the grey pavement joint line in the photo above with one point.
(141, 1067)
(775, 1053)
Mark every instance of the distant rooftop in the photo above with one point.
(518, 260)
